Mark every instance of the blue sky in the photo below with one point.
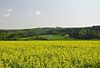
(49, 13)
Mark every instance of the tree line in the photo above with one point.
(75, 33)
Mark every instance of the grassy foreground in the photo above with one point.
(49, 54)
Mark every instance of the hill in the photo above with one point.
(58, 33)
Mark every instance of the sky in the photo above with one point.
(48, 13)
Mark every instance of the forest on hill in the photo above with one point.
(58, 33)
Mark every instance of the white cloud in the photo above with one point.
(31, 12)
(9, 10)
(37, 12)
(7, 14)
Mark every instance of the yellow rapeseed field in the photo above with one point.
(49, 54)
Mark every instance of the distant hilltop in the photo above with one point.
(48, 33)
(95, 26)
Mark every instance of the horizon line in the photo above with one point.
(48, 27)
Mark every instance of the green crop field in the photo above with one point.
(49, 54)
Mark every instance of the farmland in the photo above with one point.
(49, 54)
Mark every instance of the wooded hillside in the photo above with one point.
(37, 33)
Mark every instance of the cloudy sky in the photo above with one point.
(49, 13)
